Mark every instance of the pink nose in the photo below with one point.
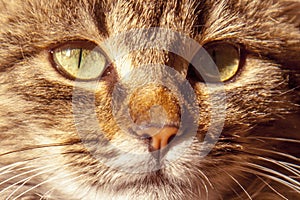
(160, 137)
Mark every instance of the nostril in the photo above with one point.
(158, 138)
(163, 137)
(171, 138)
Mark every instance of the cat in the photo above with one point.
(149, 124)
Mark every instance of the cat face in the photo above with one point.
(145, 99)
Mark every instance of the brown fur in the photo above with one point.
(257, 155)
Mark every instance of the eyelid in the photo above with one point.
(79, 43)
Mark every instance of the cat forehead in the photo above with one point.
(117, 15)
(114, 16)
(38, 23)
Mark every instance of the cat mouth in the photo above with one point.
(151, 162)
(157, 181)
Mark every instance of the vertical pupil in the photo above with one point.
(80, 57)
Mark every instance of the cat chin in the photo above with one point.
(140, 190)
(129, 186)
(180, 178)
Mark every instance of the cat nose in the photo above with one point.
(155, 113)
(158, 138)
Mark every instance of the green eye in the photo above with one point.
(79, 60)
(226, 57)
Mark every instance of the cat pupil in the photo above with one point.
(80, 58)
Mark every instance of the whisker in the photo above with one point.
(14, 169)
(20, 186)
(8, 168)
(67, 180)
(291, 165)
(275, 173)
(206, 189)
(42, 146)
(274, 190)
(288, 91)
(288, 184)
(285, 181)
(281, 164)
(21, 174)
(238, 183)
(276, 153)
(47, 193)
(258, 189)
(49, 180)
(276, 139)
(206, 178)
(25, 180)
(11, 166)
(26, 167)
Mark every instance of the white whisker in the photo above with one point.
(237, 182)
(276, 139)
(46, 181)
(284, 179)
(47, 194)
(274, 190)
(275, 173)
(281, 164)
(10, 166)
(66, 181)
(23, 173)
(284, 182)
(206, 178)
(25, 180)
(277, 153)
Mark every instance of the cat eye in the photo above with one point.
(79, 60)
(227, 58)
